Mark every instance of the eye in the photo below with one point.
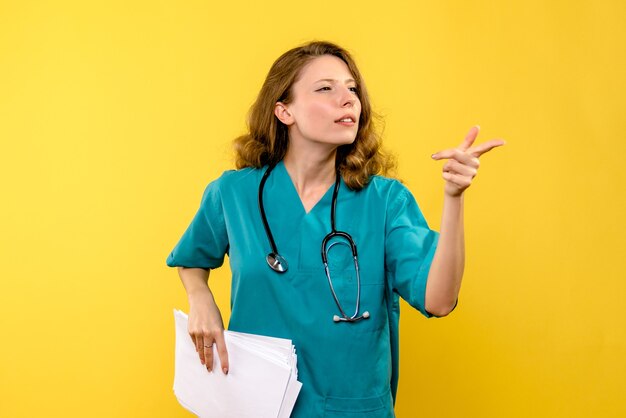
(354, 89)
(325, 88)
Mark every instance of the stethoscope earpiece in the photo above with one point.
(337, 318)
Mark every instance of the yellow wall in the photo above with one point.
(114, 115)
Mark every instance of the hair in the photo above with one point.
(267, 138)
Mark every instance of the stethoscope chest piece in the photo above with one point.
(277, 262)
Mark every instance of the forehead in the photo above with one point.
(324, 67)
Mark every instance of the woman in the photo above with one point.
(312, 158)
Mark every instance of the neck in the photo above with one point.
(310, 169)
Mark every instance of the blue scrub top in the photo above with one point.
(347, 369)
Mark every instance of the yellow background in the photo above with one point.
(114, 115)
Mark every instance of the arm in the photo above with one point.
(205, 320)
(446, 270)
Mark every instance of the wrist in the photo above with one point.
(199, 294)
(453, 195)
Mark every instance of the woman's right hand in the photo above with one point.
(206, 329)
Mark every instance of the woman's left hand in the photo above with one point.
(462, 165)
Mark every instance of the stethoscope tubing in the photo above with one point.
(279, 264)
(266, 225)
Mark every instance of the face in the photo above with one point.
(325, 108)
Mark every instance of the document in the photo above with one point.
(261, 380)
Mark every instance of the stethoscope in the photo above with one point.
(279, 264)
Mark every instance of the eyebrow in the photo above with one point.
(331, 80)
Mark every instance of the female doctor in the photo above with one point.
(320, 244)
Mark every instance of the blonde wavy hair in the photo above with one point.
(267, 138)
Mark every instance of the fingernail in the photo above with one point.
(225, 370)
(478, 126)
(433, 156)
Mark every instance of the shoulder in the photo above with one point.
(229, 185)
(236, 180)
(401, 207)
(386, 188)
(231, 177)
(392, 195)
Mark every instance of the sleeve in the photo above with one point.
(409, 249)
(205, 242)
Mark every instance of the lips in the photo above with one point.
(347, 118)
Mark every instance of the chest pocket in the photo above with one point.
(373, 407)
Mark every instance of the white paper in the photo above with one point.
(261, 380)
(291, 394)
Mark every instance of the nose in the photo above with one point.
(348, 98)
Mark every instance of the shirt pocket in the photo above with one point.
(370, 296)
(373, 407)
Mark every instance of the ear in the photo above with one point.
(282, 113)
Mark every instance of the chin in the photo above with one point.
(337, 140)
(345, 140)
(339, 143)
(349, 141)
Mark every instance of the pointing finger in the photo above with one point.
(455, 153)
(485, 147)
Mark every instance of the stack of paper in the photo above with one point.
(261, 380)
